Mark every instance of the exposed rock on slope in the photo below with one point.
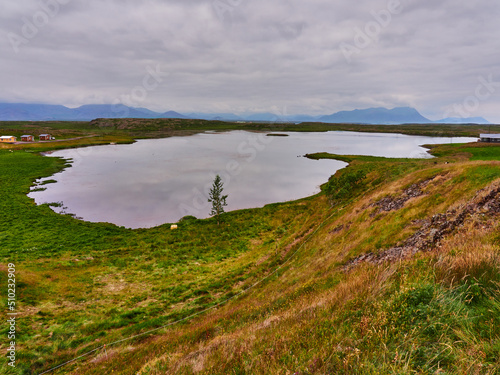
(486, 202)
(392, 203)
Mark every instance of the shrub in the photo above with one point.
(344, 186)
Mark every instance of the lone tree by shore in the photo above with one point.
(216, 198)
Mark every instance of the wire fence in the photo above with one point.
(306, 240)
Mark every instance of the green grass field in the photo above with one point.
(279, 297)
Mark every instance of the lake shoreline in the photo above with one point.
(232, 150)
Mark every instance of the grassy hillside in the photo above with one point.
(399, 274)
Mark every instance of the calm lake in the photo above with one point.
(152, 182)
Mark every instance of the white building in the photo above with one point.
(490, 137)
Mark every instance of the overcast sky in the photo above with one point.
(281, 56)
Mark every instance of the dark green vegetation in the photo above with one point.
(472, 151)
(344, 186)
(137, 127)
(154, 128)
(81, 285)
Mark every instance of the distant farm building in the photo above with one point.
(8, 139)
(27, 138)
(490, 138)
(45, 137)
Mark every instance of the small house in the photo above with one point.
(27, 138)
(490, 138)
(8, 139)
(45, 137)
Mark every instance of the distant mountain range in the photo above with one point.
(399, 115)
(460, 120)
(377, 116)
(48, 112)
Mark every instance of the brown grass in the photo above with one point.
(257, 332)
(469, 253)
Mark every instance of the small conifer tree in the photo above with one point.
(216, 198)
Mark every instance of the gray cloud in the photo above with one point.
(254, 55)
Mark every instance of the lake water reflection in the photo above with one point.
(158, 181)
